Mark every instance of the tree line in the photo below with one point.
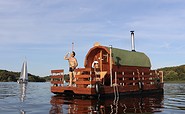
(9, 76)
(176, 73)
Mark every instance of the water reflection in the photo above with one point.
(131, 104)
(22, 112)
(23, 88)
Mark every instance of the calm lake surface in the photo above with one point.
(36, 98)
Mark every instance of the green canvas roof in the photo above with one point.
(130, 58)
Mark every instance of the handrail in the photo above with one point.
(57, 77)
(85, 77)
(132, 77)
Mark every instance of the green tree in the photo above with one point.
(170, 75)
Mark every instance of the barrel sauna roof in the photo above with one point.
(130, 58)
(124, 57)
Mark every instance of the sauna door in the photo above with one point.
(103, 60)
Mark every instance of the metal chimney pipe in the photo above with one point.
(132, 39)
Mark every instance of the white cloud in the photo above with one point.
(43, 28)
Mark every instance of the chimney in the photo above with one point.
(132, 39)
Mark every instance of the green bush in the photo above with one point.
(174, 73)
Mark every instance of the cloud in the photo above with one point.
(45, 29)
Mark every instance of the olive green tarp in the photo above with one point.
(130, 58)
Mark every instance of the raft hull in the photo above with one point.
(107, 90)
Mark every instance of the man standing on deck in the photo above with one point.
(72, 65)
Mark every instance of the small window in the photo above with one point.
(105, 58)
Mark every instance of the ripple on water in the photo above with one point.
(175, 97)
(37, 99)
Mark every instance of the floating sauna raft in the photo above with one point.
(121, 72)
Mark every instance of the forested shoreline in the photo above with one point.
(175, 73)
(10, 76)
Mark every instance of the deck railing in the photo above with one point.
(57, 77)
(87, 77)
(133, 77)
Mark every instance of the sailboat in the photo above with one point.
(24, 74)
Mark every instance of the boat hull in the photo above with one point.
(22, 81)
(107, 90)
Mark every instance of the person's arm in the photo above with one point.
(76, 63)
(66, 56)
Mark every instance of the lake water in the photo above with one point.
(36, 98)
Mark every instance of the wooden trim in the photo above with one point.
(101, 63)
(57, 82)
(57, 71)
(85, 82)
(57, 76)
(82, 76)
(83, 69)
(94, 48)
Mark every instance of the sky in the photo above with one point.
(42, 31)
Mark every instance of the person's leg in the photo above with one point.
(73, 75)
(70, 78)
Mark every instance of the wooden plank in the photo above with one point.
(57, 76)
(135, 71)
(57, 82)
(85, 82)
(149, 87)
(82, 90)
(135, 75)
(148, 81)
(83, 69)
(82, 76)
(57, 71)
(148, 76)
(127, 81)
(127, 76)
(122, 89)
(76, 90)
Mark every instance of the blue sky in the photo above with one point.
(43, 31)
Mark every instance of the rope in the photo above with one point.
(116, 99)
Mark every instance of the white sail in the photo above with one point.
(24, 74)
